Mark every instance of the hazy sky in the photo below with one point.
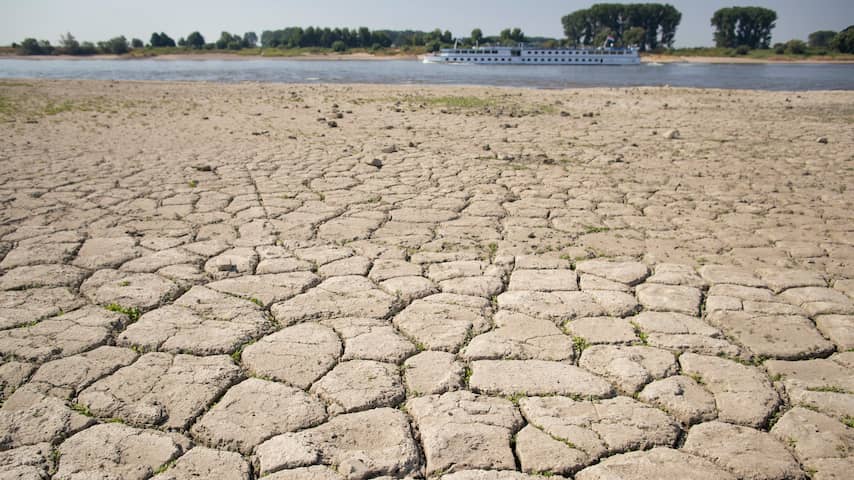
(100, 19)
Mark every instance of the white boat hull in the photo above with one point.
(534, 56)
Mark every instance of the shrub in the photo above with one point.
(796, 47)
(30, 46)
(195, 40)
(742, 50)
(434, 46)
(339, 46)
(88, 48)
(844, 41)
(779, 48)
(115, 45)
(821, 38)
(69, 45)
(136, 43)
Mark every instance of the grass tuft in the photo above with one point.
(827, 388)
(579, 344)
(132, 313)
(82, 410)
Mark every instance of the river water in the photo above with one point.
(746, 76)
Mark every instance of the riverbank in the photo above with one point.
(407, 55)
(656, 58)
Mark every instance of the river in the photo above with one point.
(728, 76)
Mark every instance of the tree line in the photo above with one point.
(338, 39)
(748, 26)
(745, 28)
(647, 25)
(68, 45)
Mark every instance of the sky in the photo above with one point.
(95, 20)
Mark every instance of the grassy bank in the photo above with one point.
(759, 54)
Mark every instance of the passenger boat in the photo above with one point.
(532, 55)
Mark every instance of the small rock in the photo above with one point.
(374, 162)
(822, 140)
(332, 124)
(389, 149)
(672, 135)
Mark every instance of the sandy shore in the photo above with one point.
(352, 281)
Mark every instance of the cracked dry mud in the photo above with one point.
(210, 281)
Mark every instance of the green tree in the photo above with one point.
(250, 39)
(46, 47)
(844, 41)
(225, 39)
(602, 36)
(339, 46)
(575, 26)
(116, 45)
(821, 38)
(476, 35)
(669, 22)
(365, 39)
(797, 47)
(167, 40)
(88, 48)
(657, 22)
(382, 39)
(634, 36)
(161, 40)
(750, 26)
(136, 43)
(30, 46)
(195, 40)
(69, 45)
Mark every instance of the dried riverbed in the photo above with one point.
(322, 282)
